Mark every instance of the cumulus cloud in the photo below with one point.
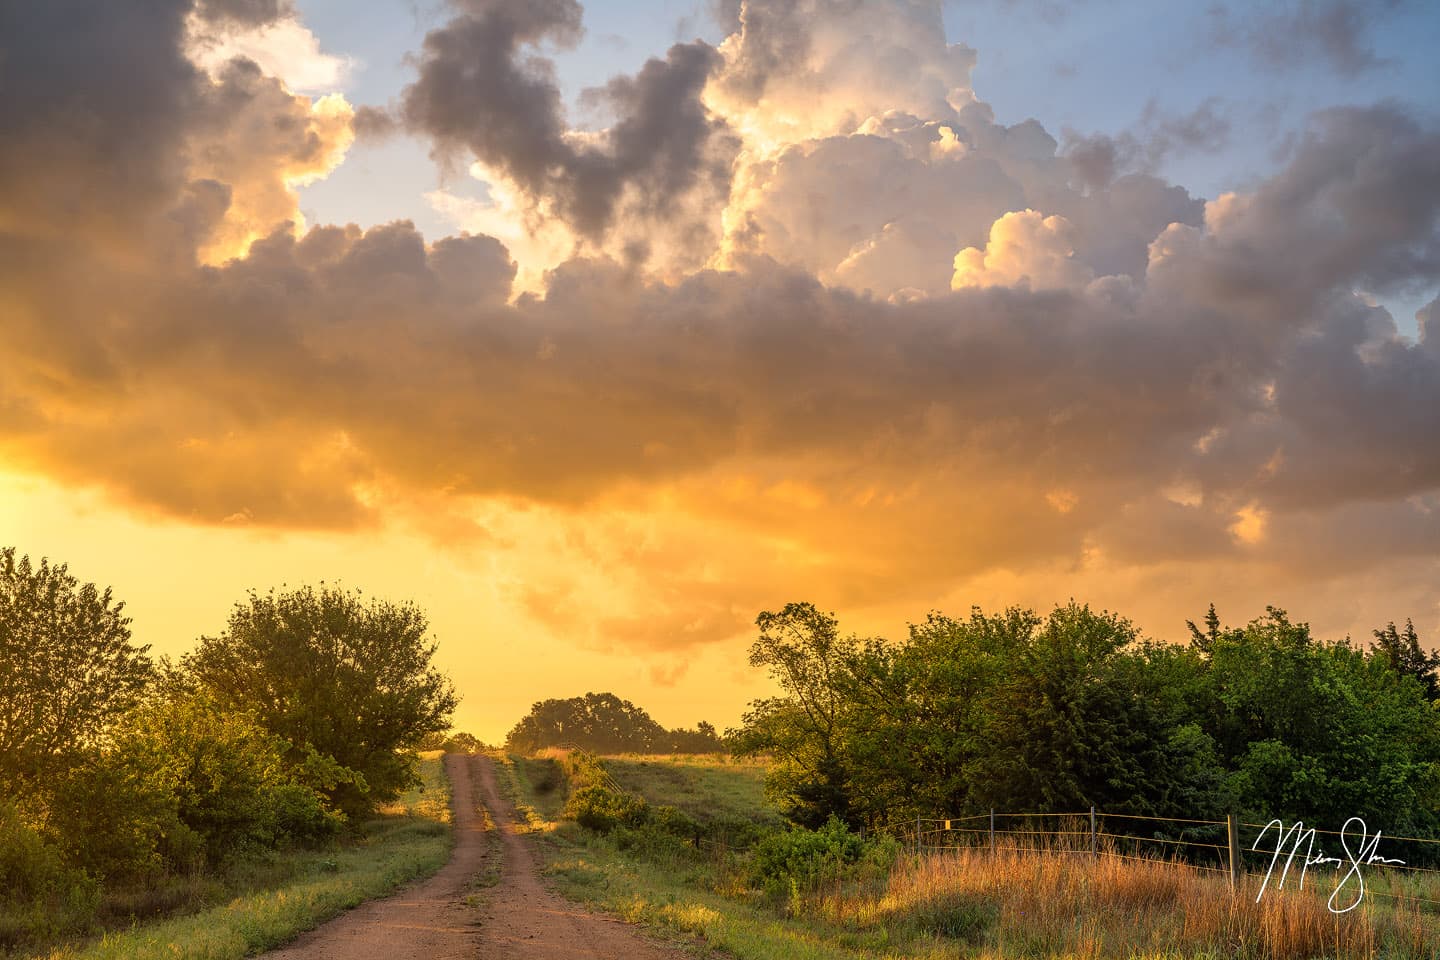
(1026, 249)
(279, 43)
(915, 350)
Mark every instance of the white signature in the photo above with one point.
(1297, 835)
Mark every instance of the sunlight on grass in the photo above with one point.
(967, 903)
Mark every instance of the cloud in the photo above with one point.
(1125, 377)
(1291, 33)
(281, 45)
(1025, 249)
(1098, 159)
(480, 92)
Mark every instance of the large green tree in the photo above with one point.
(68, 667)
(335, 676)
(806, 729)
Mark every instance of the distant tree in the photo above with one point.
(335, 677)
(1403, 652)
(67, 667)
(597, 722)
(703, 739)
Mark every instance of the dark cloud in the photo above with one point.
(1097, 159)
(477, 91)
(374, 124)
(94, 102)
(244, 13)
(1292, 33)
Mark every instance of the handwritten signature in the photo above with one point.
(1296, 836)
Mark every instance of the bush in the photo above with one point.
(786, 862)
(227, 774)
(603, 808)
(184, 786)
(110, 816)
(596, 801)
(40, 896)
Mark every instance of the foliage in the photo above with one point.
(181, 787)
(40, 895)
(328, 672)
(785, 861)
(1015, 711)
(805, 729)
(604, 723)
(1403, 653)
(972, 903)
(67, 668)
(261, 903)
(596, 801)
(1319, 732)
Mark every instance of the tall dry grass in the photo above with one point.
(1062, 901)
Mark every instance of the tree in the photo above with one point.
(67, 667)
(1319, 732)
(1405, 656)
(333, 676)
(805, 728)
(597, 722)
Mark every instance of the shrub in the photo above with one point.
(787, 861)
(40, 896)
(183, 786)
(602, 808)
(110, 816)
(227, 775)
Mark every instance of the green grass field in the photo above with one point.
(707, 788)
(262, 904)
(1029, 905)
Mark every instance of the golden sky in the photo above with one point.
(797, 319)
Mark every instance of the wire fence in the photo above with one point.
(1231, 847)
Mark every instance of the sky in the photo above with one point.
(595, 330)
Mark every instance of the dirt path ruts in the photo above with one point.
(524, 921)
(517, 919)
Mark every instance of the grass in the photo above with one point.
(265, 903)
(707, 787)
(1032, 903)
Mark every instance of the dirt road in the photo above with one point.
(516, 919)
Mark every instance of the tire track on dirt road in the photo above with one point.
(516, 919)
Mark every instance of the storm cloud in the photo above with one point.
(482, 89)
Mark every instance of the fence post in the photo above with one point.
(1232, 828)
(992, 831)
(1094, 847)
(917, 836)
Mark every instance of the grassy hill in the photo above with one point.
(706, 787)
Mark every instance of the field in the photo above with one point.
(266, 902)
(880, 901)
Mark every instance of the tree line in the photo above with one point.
(116, 768)
(604, 723)
(1018, 711)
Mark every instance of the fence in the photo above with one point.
(1230, 847)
